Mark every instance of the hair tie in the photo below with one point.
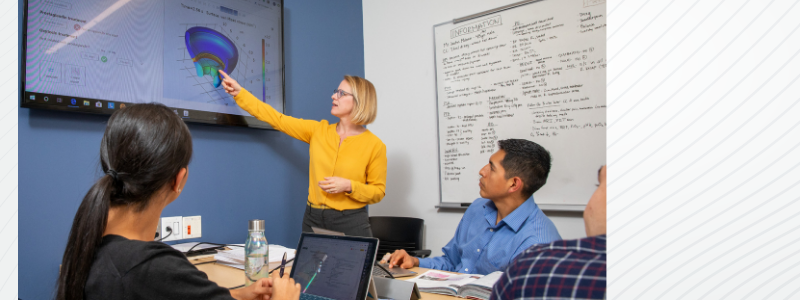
(113, 174)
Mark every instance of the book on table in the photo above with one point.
(471, 286)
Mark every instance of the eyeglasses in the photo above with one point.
(340, 93)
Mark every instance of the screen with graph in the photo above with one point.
(335, 267)
(97, 56)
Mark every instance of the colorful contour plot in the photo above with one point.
(211, 51)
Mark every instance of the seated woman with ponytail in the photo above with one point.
(110, 253)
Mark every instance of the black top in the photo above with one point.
(130, 269)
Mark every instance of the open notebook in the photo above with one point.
(471, 286)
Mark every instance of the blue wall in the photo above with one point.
(236, 174)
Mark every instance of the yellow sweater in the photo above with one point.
(360, 158)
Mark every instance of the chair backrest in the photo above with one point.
(397, 233)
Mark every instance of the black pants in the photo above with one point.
(354, 222)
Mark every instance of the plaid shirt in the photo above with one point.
(566, 269)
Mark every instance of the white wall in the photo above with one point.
(398, 58)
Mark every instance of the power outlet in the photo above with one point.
(158, 232)
(191, 227)
(175, 225)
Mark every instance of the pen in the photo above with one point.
(283, 263)
(279, 266)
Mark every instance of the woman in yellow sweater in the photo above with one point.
(347, 167)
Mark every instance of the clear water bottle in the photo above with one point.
(256, 253)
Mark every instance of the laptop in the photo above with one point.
(396, 271)
(334, 267)
(381, 271)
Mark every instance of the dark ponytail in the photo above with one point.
(143, 148)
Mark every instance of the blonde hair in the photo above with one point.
(366, 106)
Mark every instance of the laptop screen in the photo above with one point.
(336, 267)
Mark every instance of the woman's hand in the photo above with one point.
(259, 290)
(284, 288)
(335, 185)
(231, 86)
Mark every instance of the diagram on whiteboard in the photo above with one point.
(204, 37)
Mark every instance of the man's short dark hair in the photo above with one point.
(527, 160)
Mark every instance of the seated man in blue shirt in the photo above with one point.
(501, 224)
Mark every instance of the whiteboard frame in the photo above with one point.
(465, 205)
(489, 12)
(542, 206)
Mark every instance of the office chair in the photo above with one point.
(397, 233)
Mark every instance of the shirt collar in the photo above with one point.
(515, 219)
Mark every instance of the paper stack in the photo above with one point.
(235, 257)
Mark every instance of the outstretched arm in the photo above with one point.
(296, 128)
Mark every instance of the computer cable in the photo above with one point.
(216, 244)
(169, 229)
(210, 250)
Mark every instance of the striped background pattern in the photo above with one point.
(702, 146)
(9, 103)
(703, 150)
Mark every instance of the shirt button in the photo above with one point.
(491, 230)
(466, 270)
(479, 250)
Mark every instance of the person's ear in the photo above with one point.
(515, 185)
(180, 180)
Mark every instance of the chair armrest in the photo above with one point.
(420, 253)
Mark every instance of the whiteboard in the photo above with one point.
(535, 71)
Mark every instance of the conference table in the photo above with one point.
(230, 277)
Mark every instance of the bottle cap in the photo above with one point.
(257, 225)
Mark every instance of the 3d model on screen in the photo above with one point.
(211, 51)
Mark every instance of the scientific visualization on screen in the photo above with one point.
(98, 56)
(331, 268)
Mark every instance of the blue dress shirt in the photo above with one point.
(481, 247)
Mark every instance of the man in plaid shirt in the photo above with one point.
(565, 269)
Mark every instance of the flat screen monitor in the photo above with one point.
(98, 56)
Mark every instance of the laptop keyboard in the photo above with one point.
(304, 296)
(376, 271)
